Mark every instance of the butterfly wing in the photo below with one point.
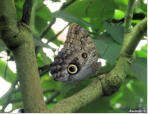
(78, 38)
(78, 57)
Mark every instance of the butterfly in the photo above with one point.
(77, 59)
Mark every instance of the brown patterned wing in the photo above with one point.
(77, 59)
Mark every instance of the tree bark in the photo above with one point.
(27, 68)
(18, 38)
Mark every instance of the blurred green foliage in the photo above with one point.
(108, 38)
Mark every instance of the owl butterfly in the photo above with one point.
(77, 59)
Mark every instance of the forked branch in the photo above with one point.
(109, 83)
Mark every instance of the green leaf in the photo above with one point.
(57, 42)
(116, 31)
(41, 44)
(107, 48)
(10, 76)
(142, 53)
(48, 83)
(70, 18)
(99, 105)
(141, 7)
(144, 48)
(19, 8)
(42, 59)
(42, 17)
(121, 4)
(140, 89)
(14, 97)
(139, 69)
(97, 11)
(129, 95)
(44, 13)
(119, 14)
(68, 89)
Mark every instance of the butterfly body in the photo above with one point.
(77, 59)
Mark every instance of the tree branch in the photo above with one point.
(27, 11)
(133, 38)
(18, 39)
(112, 81)
(28, 73)
(8, 20)
(23, 50)
(129, 15)
(80, 99)
(105, 84)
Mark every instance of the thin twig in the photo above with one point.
(27, 11)
(109, 82)
(46, 30)
(53, 38)
(52, 97)
(16, 90)
(20, 99)
(44, 69)
(49, 90)
(5, 72)
(129, 15)
(8, 95)
(15, 100)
